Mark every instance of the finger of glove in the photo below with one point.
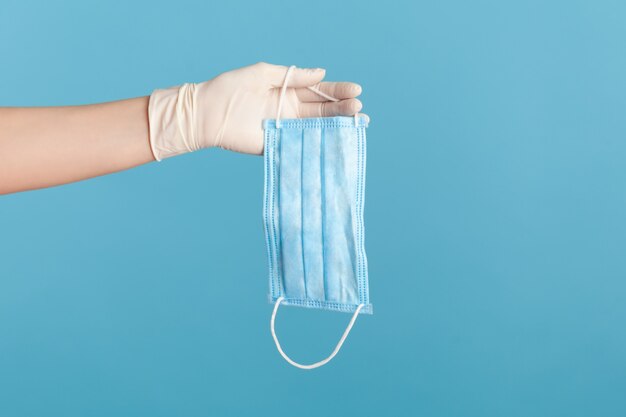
(347, 107)
(299, 77)
(338, 90)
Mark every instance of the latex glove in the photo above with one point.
(228, 111)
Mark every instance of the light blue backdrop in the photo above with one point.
(495, 217)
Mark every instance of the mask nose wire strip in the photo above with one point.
(283, 90)
(322, 362)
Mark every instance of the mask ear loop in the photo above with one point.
(283, 90)
(322, 362)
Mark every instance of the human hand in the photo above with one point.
(228, 111)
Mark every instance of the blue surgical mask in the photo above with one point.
(313, 214)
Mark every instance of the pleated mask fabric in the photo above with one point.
(313, 212)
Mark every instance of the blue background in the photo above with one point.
(495, 217)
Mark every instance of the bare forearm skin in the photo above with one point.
(46, 146)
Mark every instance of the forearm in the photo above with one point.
(42, 147)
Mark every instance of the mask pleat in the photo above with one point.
(312, 242)
(339, 210)
(291, 213)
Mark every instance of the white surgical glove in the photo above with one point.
(228, 111)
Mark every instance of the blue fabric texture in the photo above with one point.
(313, 212)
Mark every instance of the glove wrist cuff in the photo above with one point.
(170, 117)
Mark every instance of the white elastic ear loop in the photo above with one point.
(322, 362)
(283, 90)
(331, 98)
(322, 94)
